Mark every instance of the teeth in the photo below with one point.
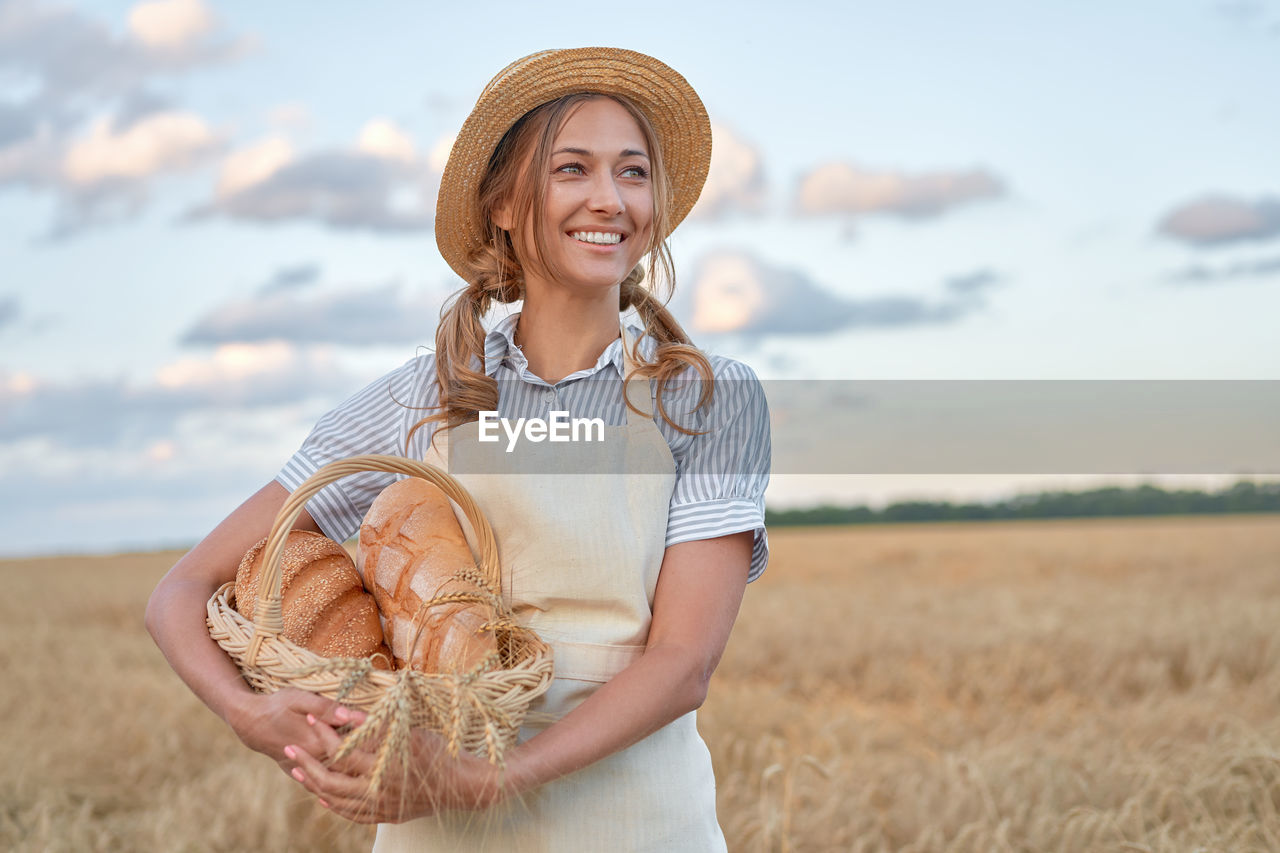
(601, 237)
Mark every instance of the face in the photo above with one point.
(597, 222)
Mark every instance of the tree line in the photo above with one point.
(1244, 496)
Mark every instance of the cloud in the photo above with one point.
(105, 174)
(1240, 11)
(31, 156)
(735, 182)
(96, 500)
(845, 188)
(1214, 220)
(380, 185)
(67, 54)
(382, 138)
(169, 24)
(290, 116)
(84, 126)
(15, 319)
(111, 413)
(438, 156)
(290, 278)
(334, 188)
(1201, 274)
(353, 317)
(162, 142)
(234, 368)
(140, 104)
(16, 123)
(736, 293)
(974, 282)
(253, 164)
(72, 56)
(9, 311)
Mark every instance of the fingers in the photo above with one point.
(349, 715)
(428, 782)
(346, 796)
(327, 784)
(327, 710)
(357, 762)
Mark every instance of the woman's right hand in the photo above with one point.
(268, 723)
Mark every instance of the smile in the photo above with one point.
(603, 238)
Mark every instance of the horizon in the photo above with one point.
(126, 549)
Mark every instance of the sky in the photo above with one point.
(216, 218)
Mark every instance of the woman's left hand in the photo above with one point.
(434, 781)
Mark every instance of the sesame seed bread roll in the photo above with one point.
(325, 606)
(410, 547)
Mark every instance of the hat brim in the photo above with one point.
(673, 108)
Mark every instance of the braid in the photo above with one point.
(465, 391)
(675, 353)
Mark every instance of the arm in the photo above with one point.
(177, 609)
(176, 616)
(699, 591)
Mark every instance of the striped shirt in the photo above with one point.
(721, 474)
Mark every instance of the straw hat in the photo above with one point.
(674, 109)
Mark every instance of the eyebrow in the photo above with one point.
(582, 152)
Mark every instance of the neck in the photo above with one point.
(560, 337)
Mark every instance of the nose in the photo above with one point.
(604, 196)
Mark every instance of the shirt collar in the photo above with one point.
(500, 346)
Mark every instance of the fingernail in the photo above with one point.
(311, 719)
(326, 805)
(342, 714)
(290, 753)
(298, 774)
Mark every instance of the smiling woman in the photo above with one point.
(573, 167)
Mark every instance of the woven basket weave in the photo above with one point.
(479, 712)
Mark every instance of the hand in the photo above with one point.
(269, 723)
(428, 782)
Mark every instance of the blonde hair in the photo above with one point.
(495, 273)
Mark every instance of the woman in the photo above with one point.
(572, 167)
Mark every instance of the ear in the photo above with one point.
(502, 215)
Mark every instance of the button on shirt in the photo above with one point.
(721, 474)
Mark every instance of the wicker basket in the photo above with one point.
(479, 712)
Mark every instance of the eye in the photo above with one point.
(636, 172)
(572, 169)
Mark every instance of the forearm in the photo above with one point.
(177, 611)
(663, 685)
(176, 619)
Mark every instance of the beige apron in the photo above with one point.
(580, 556)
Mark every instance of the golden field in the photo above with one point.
(1026, 686)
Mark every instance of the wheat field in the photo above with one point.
(1109, 685)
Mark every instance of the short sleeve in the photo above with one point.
(376, 419)
(721, 475)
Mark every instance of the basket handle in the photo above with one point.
(269, 611)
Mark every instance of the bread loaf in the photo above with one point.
(326, 607)
(411, 546)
